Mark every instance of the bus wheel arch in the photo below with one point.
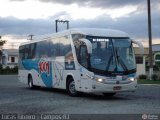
(70, 86)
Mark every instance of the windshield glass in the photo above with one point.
(112, 54)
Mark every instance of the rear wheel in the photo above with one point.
(109, 94)
(71, 87)
(30, 83)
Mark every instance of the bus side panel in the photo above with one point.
(23, 76)
(57, 72)
(40, 70)
(22, 73)
(37, 79)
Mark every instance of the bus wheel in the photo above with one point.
(71, 87)
(30, 83)
(109, 94)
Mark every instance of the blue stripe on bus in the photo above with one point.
(34, 64)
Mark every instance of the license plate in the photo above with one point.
(117, 88)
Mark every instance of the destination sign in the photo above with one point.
(100, 40)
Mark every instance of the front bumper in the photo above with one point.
(104, 88)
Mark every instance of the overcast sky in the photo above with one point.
(19, 18)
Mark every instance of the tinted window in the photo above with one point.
(21, 52)
(64, 46)
(26, 53)
(83, 56)
(49, 48)
(32, 48)
(42, 49)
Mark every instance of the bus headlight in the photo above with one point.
(131, 79)
(99, 79)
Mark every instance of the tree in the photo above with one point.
(2, 42)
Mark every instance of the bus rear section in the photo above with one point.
(44, 62)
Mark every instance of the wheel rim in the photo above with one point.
(72, 87)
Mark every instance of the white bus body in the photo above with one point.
(72, 60)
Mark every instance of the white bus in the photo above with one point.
(80, 60)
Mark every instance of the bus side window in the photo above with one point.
(64, 46)
(22, 52)
(32, 48)
(83, 56)
(26, 51)
(54, 47)
(41, 50)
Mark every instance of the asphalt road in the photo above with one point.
(16, 97)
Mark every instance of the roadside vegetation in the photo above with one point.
(144, 80)
(7, 70)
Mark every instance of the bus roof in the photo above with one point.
(85, 31)
(99, 32)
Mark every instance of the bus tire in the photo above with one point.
(71, 87)
(109, 94)
(30, 82)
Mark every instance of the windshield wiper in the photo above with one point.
(119, 60)
(109, 62)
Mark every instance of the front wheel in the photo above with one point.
(109, 94)
(71, 88)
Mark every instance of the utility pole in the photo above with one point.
(67, 24)
(30, 37)
(56, 21)
(61, 21)
(150, 41)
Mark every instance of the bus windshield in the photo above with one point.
(112, 55)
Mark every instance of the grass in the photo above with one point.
(146, 81)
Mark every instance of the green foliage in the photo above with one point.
(7, 70)
(155, 68)
(154, 77)
(142, 76)
(2, 42)
(1, 67)
(146, 81)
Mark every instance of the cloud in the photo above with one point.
(11, 25)
(17, 0)
(97, 3)
(100, 3)
(135, 24)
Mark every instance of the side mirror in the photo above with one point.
(88, 44)
(140, 45)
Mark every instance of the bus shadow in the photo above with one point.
(102, 97)
(48, 90)
(82, 95)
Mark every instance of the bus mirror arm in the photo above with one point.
(140, 45)
(88, 44)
